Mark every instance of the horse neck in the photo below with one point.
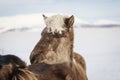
(59, 50)
(64, 50)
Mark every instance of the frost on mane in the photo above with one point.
(55, 24)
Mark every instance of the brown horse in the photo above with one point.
(13, 68)
(56, 46)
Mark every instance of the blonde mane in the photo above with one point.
(56, 23)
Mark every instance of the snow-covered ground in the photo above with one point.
(101, 49)
(99, 46)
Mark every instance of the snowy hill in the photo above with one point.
(34, 22)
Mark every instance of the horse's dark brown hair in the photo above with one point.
(13, 68)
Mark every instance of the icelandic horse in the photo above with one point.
(13, 68)
(56, 48)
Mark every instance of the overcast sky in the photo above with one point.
(89, 10)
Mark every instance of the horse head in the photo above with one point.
(58, 24)
(56, 43)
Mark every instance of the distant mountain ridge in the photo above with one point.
(99, 26)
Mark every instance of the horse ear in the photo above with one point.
(45, 17)
(70, 21)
